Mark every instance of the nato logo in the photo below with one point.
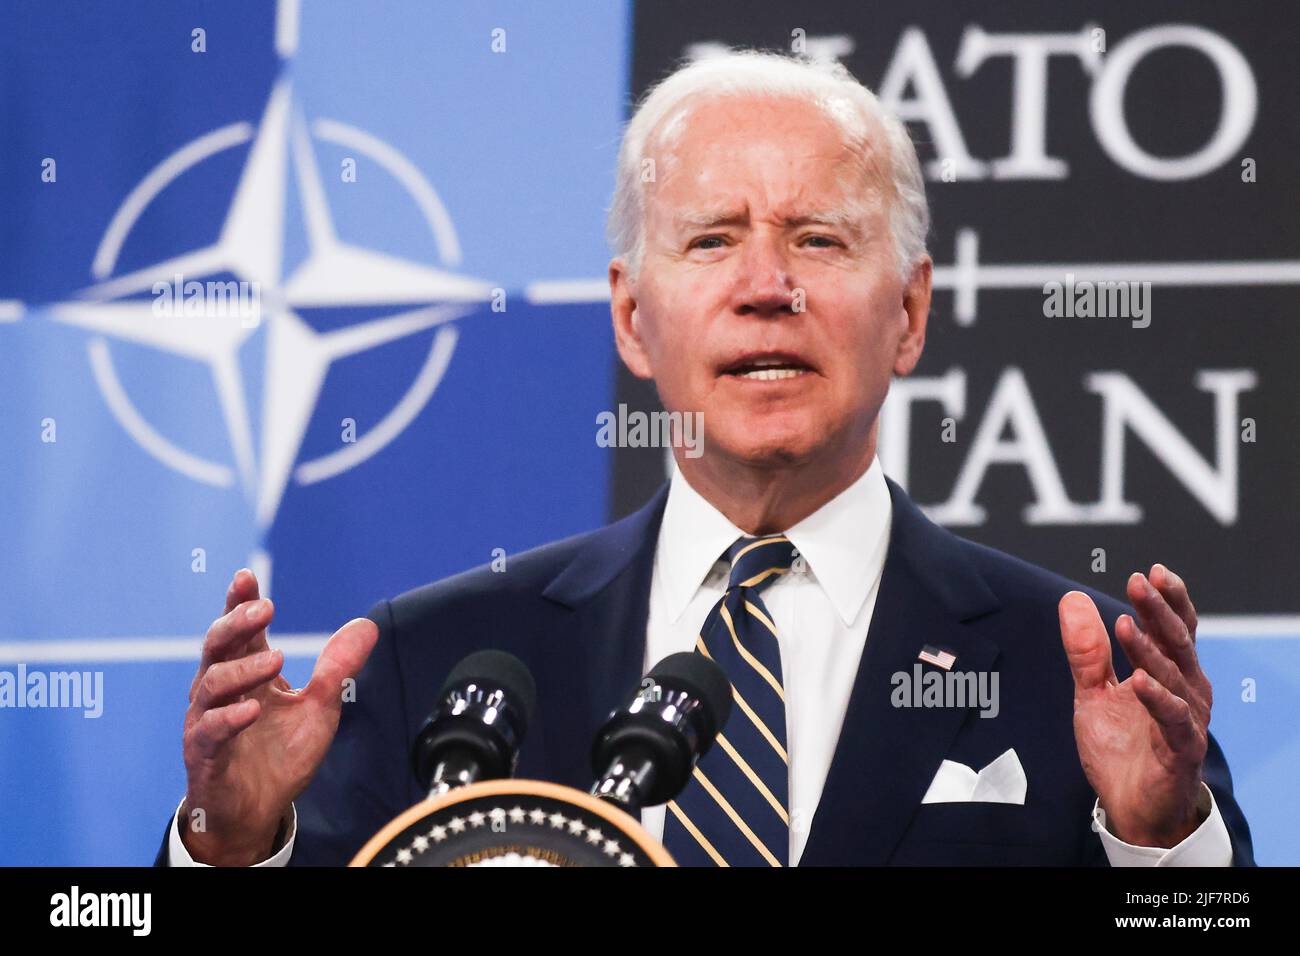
(190, 313)
(206, 304)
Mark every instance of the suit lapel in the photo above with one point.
(886, 756)
(607, 587)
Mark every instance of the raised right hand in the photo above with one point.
(251, 742)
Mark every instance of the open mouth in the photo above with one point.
(768, 368)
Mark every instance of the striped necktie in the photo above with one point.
(735, 809)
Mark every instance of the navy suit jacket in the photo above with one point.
(575, 612)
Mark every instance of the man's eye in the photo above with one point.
(822, 242)
(703, 242)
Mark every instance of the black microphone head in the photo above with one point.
(502, 670)
(695, 672)
(483, 712)
(645, 752)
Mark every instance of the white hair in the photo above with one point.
(826, 84)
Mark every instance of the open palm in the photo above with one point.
(1142, 742)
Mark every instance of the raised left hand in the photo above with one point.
(1141, 742)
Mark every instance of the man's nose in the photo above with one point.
(763, 283)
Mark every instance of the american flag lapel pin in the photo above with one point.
(939, 658)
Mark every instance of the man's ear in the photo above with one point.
(627, 328)
(916, 306)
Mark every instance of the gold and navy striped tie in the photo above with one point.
(736, 810)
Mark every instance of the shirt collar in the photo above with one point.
(843, 542)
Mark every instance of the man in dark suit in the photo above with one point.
(770, 274)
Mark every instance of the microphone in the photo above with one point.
(646, 750)
(474, 732)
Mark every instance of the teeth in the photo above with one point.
(772, 374)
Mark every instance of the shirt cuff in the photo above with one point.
(1207, 845)
(178, 855)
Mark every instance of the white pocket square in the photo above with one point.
(1002, 781)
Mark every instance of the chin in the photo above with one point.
(766, 447)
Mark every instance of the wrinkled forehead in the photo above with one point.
(860, 161)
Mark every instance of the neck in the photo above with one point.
(764, 499)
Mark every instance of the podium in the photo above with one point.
(513, 823)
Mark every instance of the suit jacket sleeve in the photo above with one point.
(365, 779)
(1219, 780)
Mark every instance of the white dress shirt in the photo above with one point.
(822, 617)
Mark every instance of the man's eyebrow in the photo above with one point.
(708, 218)
(841, 217)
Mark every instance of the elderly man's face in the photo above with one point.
(758, 204)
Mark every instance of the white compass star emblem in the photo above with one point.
(251, 247)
